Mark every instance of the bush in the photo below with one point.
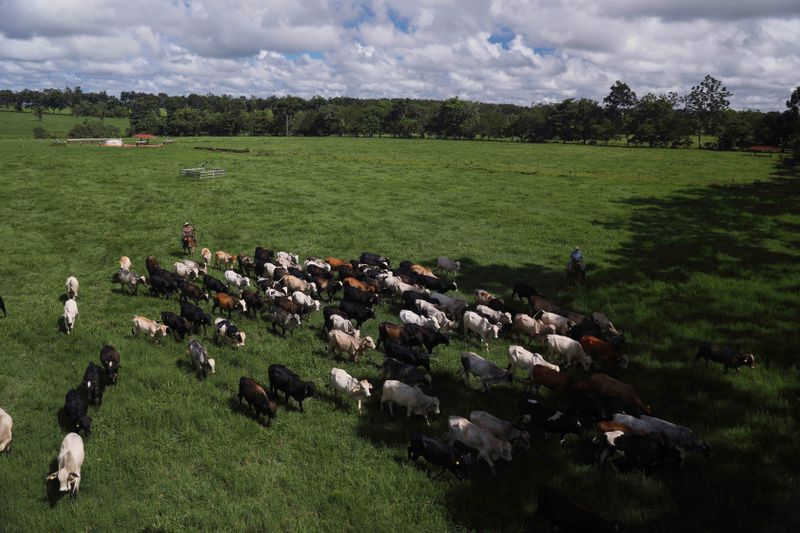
(40, 133)
(93, 130)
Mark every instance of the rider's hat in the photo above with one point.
(186, 224)
(577, 247)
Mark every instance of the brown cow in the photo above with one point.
(228, 303)
(335, 262)
(393, 332)
(605, 351)
(552, 379)
(223, 259)
(423, 271)
(609, 386)
(360, 285)
(289, 305)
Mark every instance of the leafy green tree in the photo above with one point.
(455, 118)
(619, 105)
(706, 104)
(91, 129)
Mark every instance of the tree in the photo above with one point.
(620, 103)
(705, 104)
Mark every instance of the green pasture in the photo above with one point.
(682, 245)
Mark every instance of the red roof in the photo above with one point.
(145, 136)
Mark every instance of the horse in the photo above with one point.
(189, 243)
(576, 271)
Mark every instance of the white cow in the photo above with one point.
(454, 306)
(343, 324)
(398, 286)
(496, 317)
(531, 327)
(570, 348)
(483, 297)
(448, 265)
(286, 259)
(234, 278)
(519, 357)
(561, 323)
(224, 329)
(431, 311)
(72, 287)
(472, 321)
(185, 271)
(149, 327)
(412, 398)
(271, 294)
(305, 300)
(486, 371)
(131, 280)
(344, 383)
(125, 262)
(70, 459)
(6, 423)
(70, 314)
(489, 447)
(410, 317)
(194, 265)
(502, 429)
(680, 436)
(316, 262)
(293, 283)
(339, 341)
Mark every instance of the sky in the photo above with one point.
(504, 51)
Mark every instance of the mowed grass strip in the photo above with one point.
(682, 246)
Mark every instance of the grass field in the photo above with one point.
(682, 246)
(15, 125)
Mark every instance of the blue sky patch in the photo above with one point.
(503, 37)
(401, 23)
(310, 53)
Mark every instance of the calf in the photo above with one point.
(130, 280)
(728, 357)
(70, 460)
(335, 262)
(448, 265)
(548, 419)
(343, 383)
(357, 312)
(196, 316)
(6, 425)
(519, 357)
(237, 280)
(489, 447)
(223, 259)
(286, 320)
(257, 398)
(571, 349)
(486, 371)
(495, 317)
(229, 331)
(177, 325)
(603, 384)
(125, 262)
(283, 379)
(213, 284)
(200, 359)
(406, 355)
(109, 358)
(149, 327)
(339, 341)
(76, 412)
(228, 303)
(205, 253)
(605, 351)
(437, 453)
(72, 288)
(70, 315)
(412, 398)
(473, 322)
(565, 513)
(501, 429)
(408, 374)
(93, 384)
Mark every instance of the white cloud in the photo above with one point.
(540, 50)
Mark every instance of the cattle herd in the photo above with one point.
(279, 288)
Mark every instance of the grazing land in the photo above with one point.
(682, 246)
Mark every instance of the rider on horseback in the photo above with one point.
(188, 239)
(187, 232)
(575, 264)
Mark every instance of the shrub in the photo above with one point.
(93, 130)
(40, 133)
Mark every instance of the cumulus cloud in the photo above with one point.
(515, 51)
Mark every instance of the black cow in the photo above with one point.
(178, 326)
(296, 272)
(410, 375)
(410, 298)
(351, 294)
(430, 338)
(257, 398)
(93, 384)
(327, 286)
(196, 316)
(262, 256)
(367, 258)
(588, 409)
(406, 355)
(109, 358)
(3, 306)
(564, 513)
(213, 284)
(161, 285)
(76, 412)
(254, 301)
(642, 451)
(357, 312)
(437, 453)
(283, 379)
(548, 419)
(318, 272)
(728, 357)
(524, 291)
(437, 284)
(191, 291)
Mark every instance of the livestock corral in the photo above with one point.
(254, 388)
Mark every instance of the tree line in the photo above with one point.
(654, 120)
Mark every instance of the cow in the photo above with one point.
(253, 301)
(149, 327)
(76, 413)
(93, 384)
(552, 379)
(262, 256)
(229, 331)
(246, 264)
(410, 299)
(437, 453)
(431, 311)
(728, 357)
(109, 358)
(502, 429)
(540, 303)
(561, 323)
(286, 320)
(565, 513)
(161, 284)
(6, 425)
(3, 307)
(72, 288)
(422, 270)
(286, 259)
(408, 374)
(427, 337)
(473, 322)
(361, 285)
(284, 380)
(130, 280)
(352, 294)
(236, 279)
(412, 398)
(70, 315)
(290, 306)
(200, 359)
(258, 399)
(223, 259)
(339, 341)
(410, 317)
(454, 307)
(436, 284)
(406, 355)
(527, 325)
(70, 460)
(489, 447)
(394, 332)
(228, 303)
(293, 283)
(213, 284)
(495, 317)
(443, 264)
(642, 451)
(196, 316)
(570, 348)
(205, 253)
(548, 420)
(184, 271)
(483, 297)
(400, 288)
(486, 371)
(603, 350)
(199, 268)
(317, 267)
(309, 304)
(374, 260)
(523, 291)
(335, 262)
(680, 436)
(343, 383)
(151, 264)
(519, 357)
(604, 384)
(342, 324)
(177, 325)
(125, 262)
(357, 312)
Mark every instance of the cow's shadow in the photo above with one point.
(52, 494)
